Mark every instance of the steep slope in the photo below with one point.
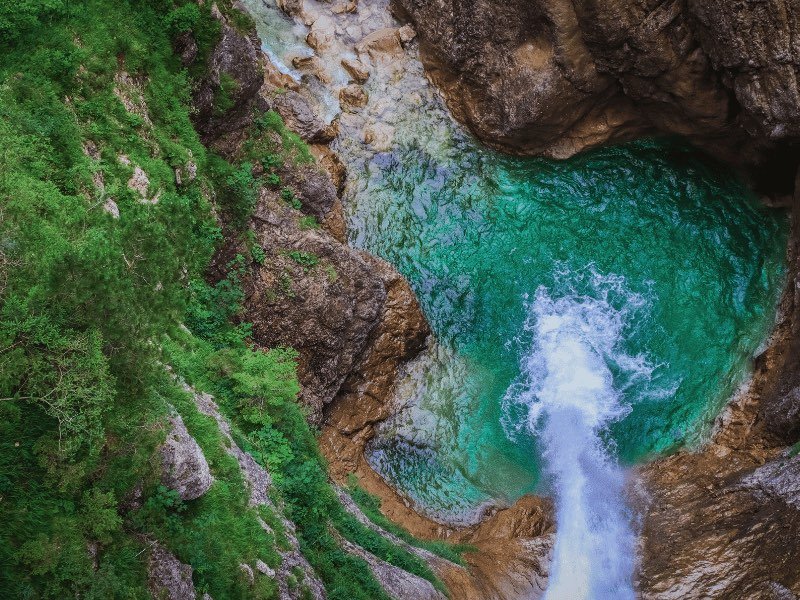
(138, 172)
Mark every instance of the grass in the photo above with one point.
(371, 506)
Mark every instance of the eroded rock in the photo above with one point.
(301, 117)
(167, 577)
(312, 293)
(553, 78)
(356, 70)
(184, 467)
(352, 97)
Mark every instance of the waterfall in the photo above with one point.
(570, 386)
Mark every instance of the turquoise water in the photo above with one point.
(651, 226)
(685, 264)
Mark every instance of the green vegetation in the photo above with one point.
(222, 95)
(83, 293)
(307, 260)
(257, 390)
(308, 222)
(371, 506)
(91, 307)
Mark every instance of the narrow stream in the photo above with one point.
(588, 314)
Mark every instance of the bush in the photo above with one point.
(182, 19)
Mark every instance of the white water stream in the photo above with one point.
(568, 390)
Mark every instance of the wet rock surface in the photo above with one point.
(553, 78)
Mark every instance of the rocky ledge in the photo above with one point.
(556, 77)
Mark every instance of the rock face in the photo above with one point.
(721, 532)
(168, 578)
(364, 398)
(184, 467)
(553, 78)
(724, 522)
(225, 98)
(313, 293)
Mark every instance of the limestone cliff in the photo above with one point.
(554, 78)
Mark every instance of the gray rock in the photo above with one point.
(184, 467)
(301, 117)
(313, 187)
(235, 62)
(397, 582)
(259, 482)
(778, 480)
(168, 578)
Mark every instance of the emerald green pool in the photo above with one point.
(665, 248)
(652, 226)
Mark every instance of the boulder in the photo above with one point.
(167, 577)
(356, 69)
(353, 98)
(301, 117)
(553, 78)
(184, 467)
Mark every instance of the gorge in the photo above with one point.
(372, 299)
(476, 233)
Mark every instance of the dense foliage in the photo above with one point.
(97, 277)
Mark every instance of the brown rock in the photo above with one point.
(313, 66)
(553, 78)
(330, 161)
(381, 45)
(352, 97)
(293, 8)
(314, 294)
(300, 116)
(406, 33)
(356, 70)
(312, 186)
(322, 34)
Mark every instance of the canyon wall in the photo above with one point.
(553, 78)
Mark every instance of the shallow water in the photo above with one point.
(672, 244)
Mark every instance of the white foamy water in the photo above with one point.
(567, 394)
